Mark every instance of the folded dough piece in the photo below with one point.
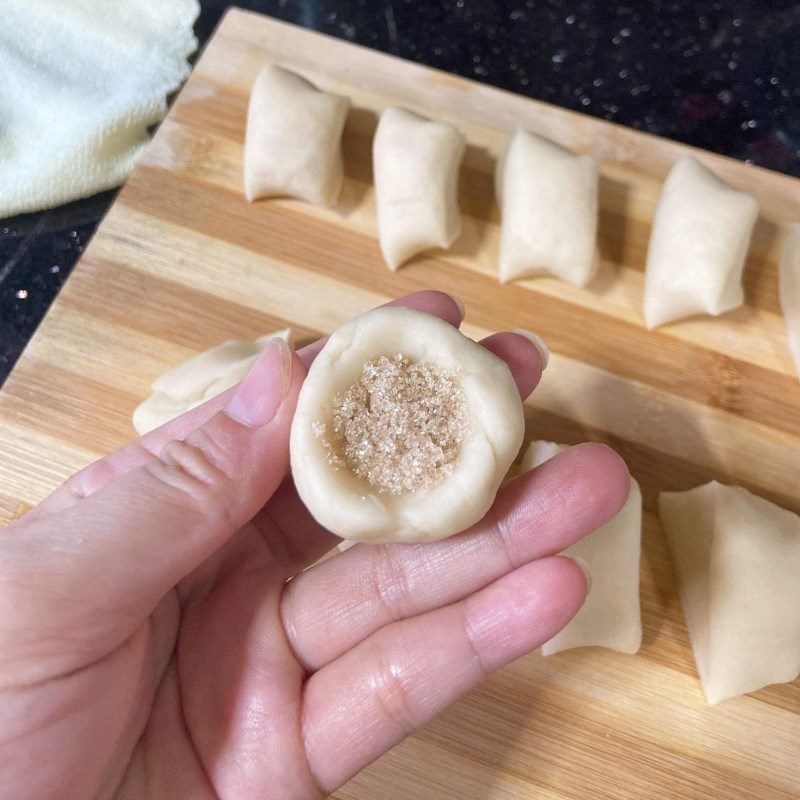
(737, 558)
(790, 290)
(198, 379)
(293, 142)
(611, 615)
(548, 204)
(698, 245)
(415, 164)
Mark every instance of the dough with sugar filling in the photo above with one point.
(790, 290)
(698, 246)
(415, 164)
(293, 141)
(548, 207)
(737, 558)
(611, 616)
(198, 379)
(404, 429)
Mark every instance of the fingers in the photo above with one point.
(305, 540)
(524, 358)
(402, 676)
(333, 606)
(142, 450)
(121, 549)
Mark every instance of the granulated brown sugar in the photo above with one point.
(399, 426)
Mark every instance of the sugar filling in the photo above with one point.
(399, 427)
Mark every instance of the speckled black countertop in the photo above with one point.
(724, 76)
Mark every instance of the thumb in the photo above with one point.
(118, 551)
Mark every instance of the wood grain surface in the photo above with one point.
(182, 262)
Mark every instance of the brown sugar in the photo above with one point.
(399, 426)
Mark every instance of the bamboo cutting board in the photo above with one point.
(182, 262)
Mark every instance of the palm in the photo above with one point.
(206, 678)
(242, 685)
(227, 709)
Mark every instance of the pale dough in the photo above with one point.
(415, 164)
(198, 379)
(548, 207)
(698, 246)
(737, 558)
(352, 508)
(293, 141)
(790, 290)
(611, 615)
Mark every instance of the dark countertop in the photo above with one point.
(724, 76)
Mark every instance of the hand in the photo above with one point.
(151, 646)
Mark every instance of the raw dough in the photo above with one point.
(737, 558)
(611, 616)
(198, 379)
(697, 249)
(790, 290)
(464, 377)
(415, 163)
(548, 204)
(293, 142)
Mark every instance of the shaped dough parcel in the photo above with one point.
(415, 164)
(698, 246)
(548, 207)
(790, 290)
(610, 616)
(199, 378)
(737, 558)
(404, 429)
(293, 141)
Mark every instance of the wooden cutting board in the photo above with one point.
(182, 262)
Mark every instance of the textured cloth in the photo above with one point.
(81, 82)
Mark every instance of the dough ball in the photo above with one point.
(416, 163)
(548, 204)
(698, 246)
(198, 379)
(611, 615)
(737, 558)
(293, 141)
(404, 429)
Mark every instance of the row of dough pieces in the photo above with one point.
(737, 558)
(737, 555)
(547, 197)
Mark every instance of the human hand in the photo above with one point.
(153, 645)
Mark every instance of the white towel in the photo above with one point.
(80, 82)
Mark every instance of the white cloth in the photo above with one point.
(81, 82)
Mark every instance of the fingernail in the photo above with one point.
(261, 393)
(586, 573)
(537, 342)
(459, 303)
